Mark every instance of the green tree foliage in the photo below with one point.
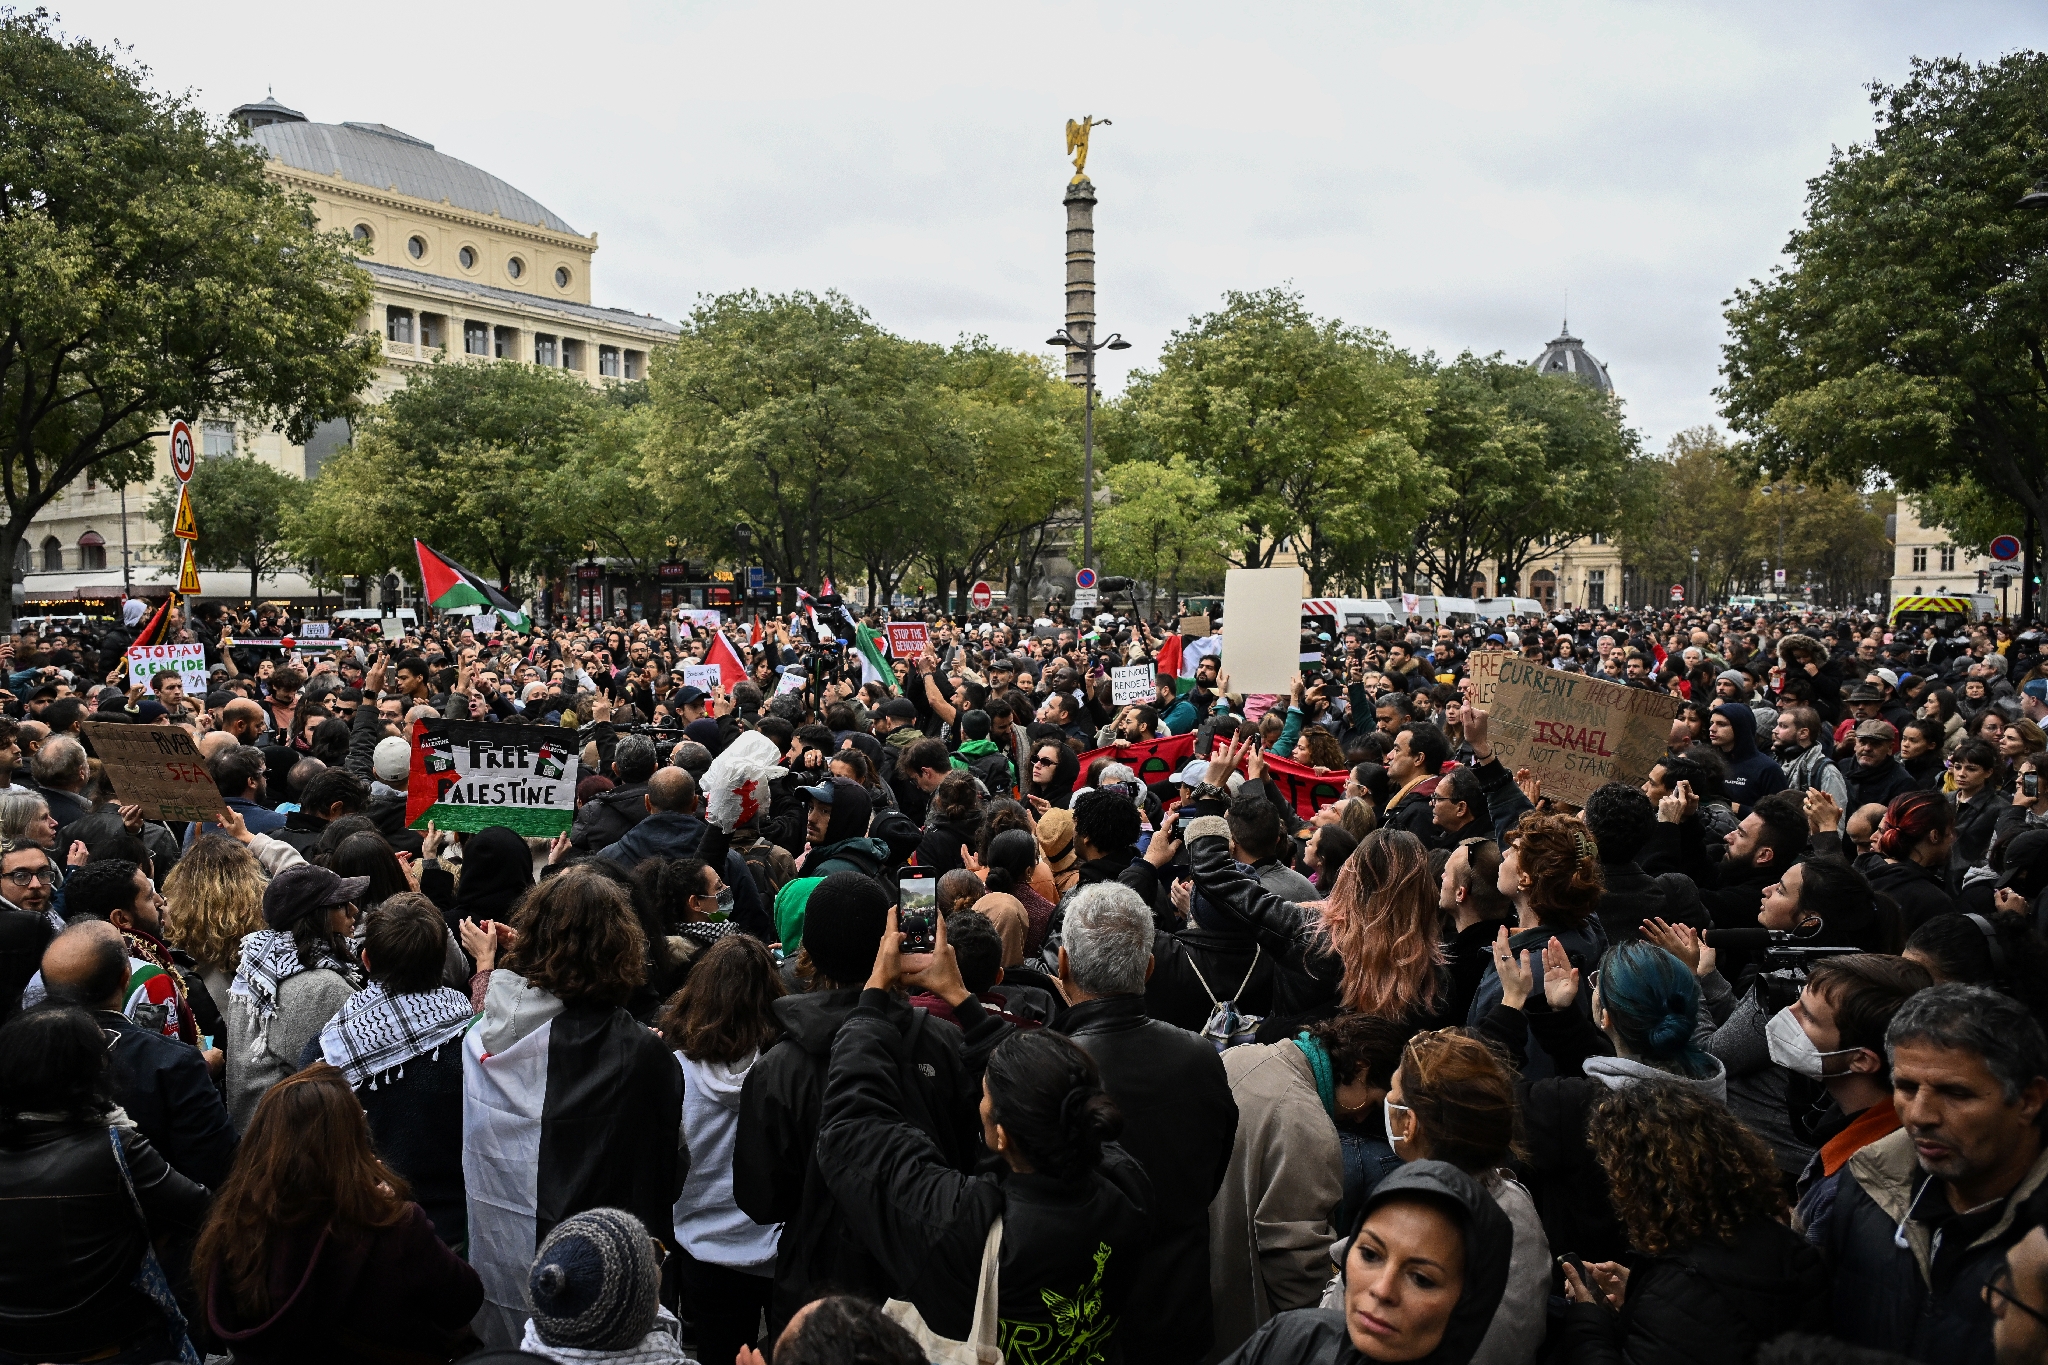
(1164, 526)
(238, 505)
(1529, 461)
(1308, 426)
(1907, 334)
(148, 267)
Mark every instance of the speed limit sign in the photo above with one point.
(181, 451)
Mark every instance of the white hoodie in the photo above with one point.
(709, 1225)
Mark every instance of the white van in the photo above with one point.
(1445, 610)
(1339, 614)
(1508, 608)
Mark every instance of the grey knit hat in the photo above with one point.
(595, 1284)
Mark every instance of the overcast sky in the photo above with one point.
(1445, 174)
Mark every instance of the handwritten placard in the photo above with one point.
(908, 639)
(1484, 670)
(146, 661)
(315, 630)
(1574, 732)
(703, 677)
(1131, 686)
(156, 767)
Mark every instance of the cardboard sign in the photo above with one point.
(146, 661)
(1575, 732)
(157, 767)
(1130, 686)
(316, 630)
(472, 776)
(703, 677)
(1262, 620)
(1484, 670)
(1197, 626)
(908, 639)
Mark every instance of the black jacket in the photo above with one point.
(1630, 895)
(65, 1289)
(1976, 823)
(387, 811)
(940, 847)
(680, 834)
(1309, 974)
(776, 1175)
(165, 1087)
(415, 1116)
(1730, 893)
(1708, 1303)
(1413, 812)
(1920, 892)
(602, 821)
(1880, 782)
(23, 936)
(1071, 1248)
(1179, 1122)
(66, 808)
(1190, 964)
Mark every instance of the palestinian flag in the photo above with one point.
(564, 1109)
(1177, 660)
(152, 631)
(448, 586)
(874, 666)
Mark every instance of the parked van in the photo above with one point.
(1445, 610)
(1508, 608)
(1339, 614)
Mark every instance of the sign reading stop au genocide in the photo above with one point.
(467, 776)
(1574, 732)
(146, 661)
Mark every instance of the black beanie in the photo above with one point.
(843, 926)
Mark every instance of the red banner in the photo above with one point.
(1306, 789)
(1154, 760)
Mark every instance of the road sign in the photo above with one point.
(188, 577)
(757, 581)
(2005, 549)
(1084, 578)
(982, 595)
(184, 528)
(1086, 597)
(183, 457)
(1778, 577)
(1678, 592)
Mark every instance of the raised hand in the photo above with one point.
(1517, 978)
(1560, 977)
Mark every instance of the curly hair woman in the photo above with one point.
(1700, 1197)
(213, 899)
(556, 1054)
(1550, 872)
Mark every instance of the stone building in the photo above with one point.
(463, 266)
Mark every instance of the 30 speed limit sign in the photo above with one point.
(182, 454)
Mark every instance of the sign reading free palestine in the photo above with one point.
(470, 776)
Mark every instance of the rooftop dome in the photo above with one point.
(384, 158)
(1567, 355)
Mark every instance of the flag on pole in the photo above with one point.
(754, 635)
(873, 666)
(731, 672)
(447, 586)
(151, 631)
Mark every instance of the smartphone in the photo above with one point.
(917, 908)
(2030, 784)
(1572, 1259)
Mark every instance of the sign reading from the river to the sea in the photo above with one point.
(1574, 732)
(470, 776)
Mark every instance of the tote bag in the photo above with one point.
(981, 1346)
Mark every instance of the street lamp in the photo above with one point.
(1113, 342)
(1695, 603)
(1780, 488)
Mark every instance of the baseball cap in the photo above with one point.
(300, 891)
(391, 759)
(899, 708)
(823, 792)
(1891, 679)
(690, 696)
(1877, 729)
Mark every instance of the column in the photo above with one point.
(1080, 200)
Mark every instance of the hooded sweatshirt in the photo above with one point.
(1752, 775)
(846, 847)
(708, 1224)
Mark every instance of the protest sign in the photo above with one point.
(703, 618)
(1262, 627)
(1307, 790)
(1575, 732)
(146, 661)
(156, 767)
(1154, 760)
(792, 681)
(703, 677)
(908, 639)
(316, 630)
(1197, 626)
(1130, 686)
(471, 776)
(1484, 670)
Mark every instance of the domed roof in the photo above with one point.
(1567, 355)
(384, 158)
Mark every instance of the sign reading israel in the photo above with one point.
(470, 776)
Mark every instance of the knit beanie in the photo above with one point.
(595, 1284)
(843, 925)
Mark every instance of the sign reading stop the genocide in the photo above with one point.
(982, 596)
(908, 639)
(183, 458)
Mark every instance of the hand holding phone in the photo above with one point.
(917, 908)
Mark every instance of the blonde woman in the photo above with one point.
(214, 897)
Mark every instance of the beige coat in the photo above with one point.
(1269, 1226)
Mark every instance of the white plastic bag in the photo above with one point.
(736, 784)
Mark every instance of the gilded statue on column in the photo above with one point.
(1077, 144)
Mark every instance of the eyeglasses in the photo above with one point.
(1997, 1291)
(25, 876)
(1593, 980)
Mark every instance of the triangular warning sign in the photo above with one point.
(188, 577)
(184, 528)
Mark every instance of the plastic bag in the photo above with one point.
(736, 784)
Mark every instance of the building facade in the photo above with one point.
(1927, 563)
(463, 267)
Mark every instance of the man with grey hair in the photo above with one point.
(604, 819)
(1179, 1118)
(1923, 1222)
(61, 772)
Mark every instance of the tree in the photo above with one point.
(1907, 334)
(238, 505)
(794, 415)
(148, 266)
(355, 518)
(1164, 525)
(1308, 426)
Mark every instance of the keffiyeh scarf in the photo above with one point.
(376, 1032)
(270, 957)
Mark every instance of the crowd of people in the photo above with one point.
(886, 1011)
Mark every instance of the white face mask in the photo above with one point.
(1793, 1050)
(1387, 1108)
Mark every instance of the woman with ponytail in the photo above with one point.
(1645, 1009)
(1915, 840)
(1550, 871)
(1007, 867)
(1071, 1204)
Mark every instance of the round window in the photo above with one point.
(416, 247)
(468, 258)
(515, 267)
(363, 232)
(561, 277)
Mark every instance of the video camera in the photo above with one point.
(1787, 956)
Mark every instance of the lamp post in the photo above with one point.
(1695, 578)
(1113, 342)
(1780, 488)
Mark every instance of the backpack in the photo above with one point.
(993, 771)
(1225, 1027)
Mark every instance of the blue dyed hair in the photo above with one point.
(1653, 1002)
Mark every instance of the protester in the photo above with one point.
(294, 975)
(595, 1291)
(213, 899)
(1917, 837)
(1550, 872)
